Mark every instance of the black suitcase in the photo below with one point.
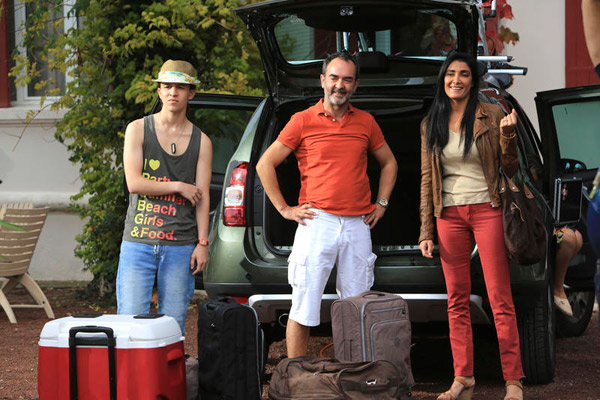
(230, 351)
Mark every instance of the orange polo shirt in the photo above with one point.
(332, 158)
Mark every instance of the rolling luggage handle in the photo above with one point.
(372, 293)
(109, 341)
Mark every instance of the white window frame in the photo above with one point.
(23, 98)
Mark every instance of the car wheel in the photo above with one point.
(536, 330)
(582, 304)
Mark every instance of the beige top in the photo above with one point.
(463, 181)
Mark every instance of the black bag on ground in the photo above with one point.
(322, 378)
(230, 351)
(373, 326)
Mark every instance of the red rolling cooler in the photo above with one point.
(98, 356)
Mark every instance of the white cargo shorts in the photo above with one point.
(325, 241)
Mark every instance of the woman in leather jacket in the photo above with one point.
(463, 144)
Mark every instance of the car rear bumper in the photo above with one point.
(423, 307)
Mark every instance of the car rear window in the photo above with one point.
(420, 33)
(225, 129)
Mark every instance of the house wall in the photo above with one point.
(541, 48)
(36, 168)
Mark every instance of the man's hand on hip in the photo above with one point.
(298, 213)
(374, 216)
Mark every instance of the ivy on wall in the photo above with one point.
(110, 60)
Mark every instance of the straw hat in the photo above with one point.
(177, 71)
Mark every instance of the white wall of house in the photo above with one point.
(541, 48)
(36, 168)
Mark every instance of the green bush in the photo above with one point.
(111, 59)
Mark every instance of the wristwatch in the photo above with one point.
(382, 202)
(203, 242)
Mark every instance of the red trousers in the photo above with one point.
(454, 228)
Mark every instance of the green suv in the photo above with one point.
(399, 46)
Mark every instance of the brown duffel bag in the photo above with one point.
(326, 378)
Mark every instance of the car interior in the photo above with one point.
(399, 120)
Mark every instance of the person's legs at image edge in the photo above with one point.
(175, 282)
(597, 284)
(569, 243)
(138, 264)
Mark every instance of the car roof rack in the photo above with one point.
(496, 65)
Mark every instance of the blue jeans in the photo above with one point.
(139, 264)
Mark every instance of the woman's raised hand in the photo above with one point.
(508, 123)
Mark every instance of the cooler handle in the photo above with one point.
(110, 342)
(175, 354)
(148, 316)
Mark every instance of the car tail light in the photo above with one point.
(234, 213)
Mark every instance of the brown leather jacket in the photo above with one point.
(494, 149)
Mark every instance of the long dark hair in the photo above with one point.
(439, 114)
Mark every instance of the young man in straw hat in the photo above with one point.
(167, 162)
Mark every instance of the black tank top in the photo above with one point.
(168, 219)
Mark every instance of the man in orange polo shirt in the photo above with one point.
(331, 141)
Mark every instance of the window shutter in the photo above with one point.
(4, 59)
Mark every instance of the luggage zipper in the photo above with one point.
(322, 396)
(390, 309)
(260, 348)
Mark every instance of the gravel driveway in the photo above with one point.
(577, 359)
